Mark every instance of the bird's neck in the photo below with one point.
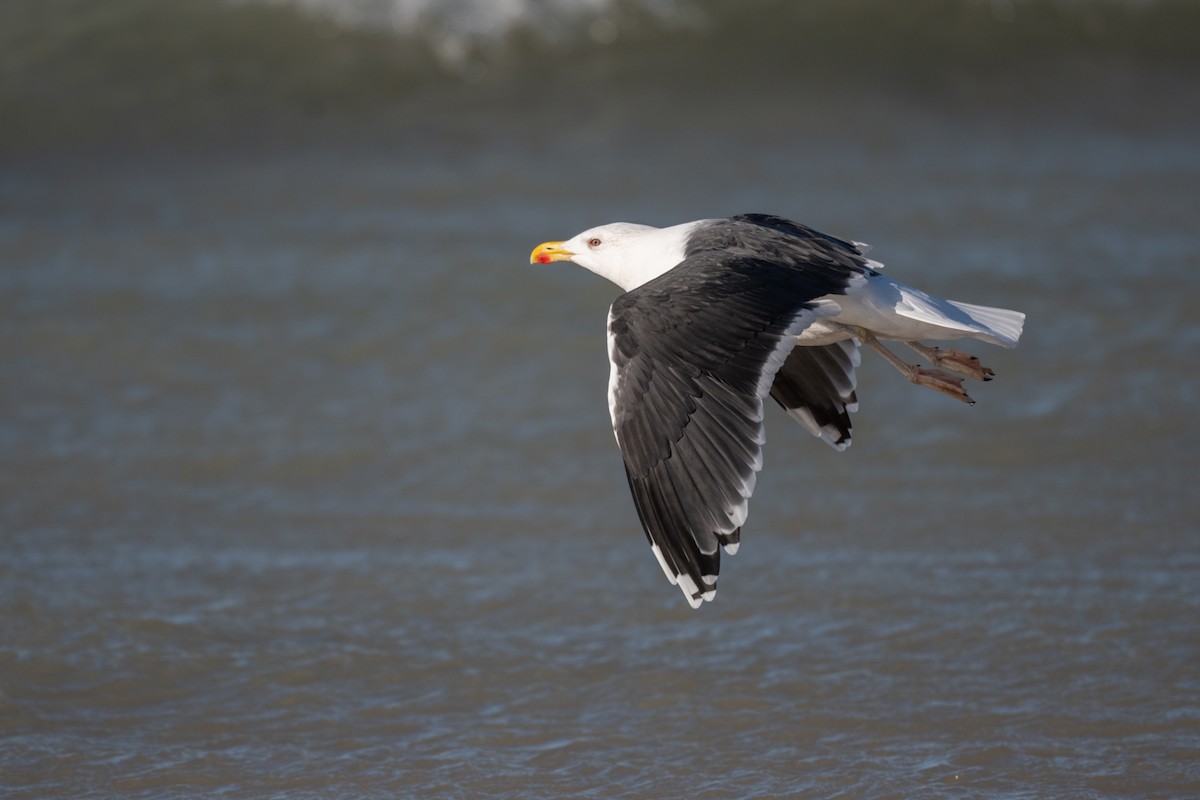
(654, 253)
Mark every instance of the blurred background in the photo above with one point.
(307, 484)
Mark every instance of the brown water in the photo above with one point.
(307, 487)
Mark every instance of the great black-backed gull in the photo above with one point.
(718, 314)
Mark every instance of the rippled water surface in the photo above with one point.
(308, 487)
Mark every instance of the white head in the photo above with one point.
(625, 253)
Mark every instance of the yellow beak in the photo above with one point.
(547, 252)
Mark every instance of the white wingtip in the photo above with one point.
(691, 591)
(662, 562)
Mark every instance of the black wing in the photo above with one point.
(694, 352)
(816, 387)
(784, 242)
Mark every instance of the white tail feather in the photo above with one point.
(937, 317)
(1002, 326)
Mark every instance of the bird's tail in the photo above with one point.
(998, 326)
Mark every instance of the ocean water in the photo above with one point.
(307, 485)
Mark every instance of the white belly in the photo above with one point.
(824, 331)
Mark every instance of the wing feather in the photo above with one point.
(694, 353)
(816, 386)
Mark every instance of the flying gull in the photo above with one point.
(718, 314)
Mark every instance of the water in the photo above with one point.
(307, 487)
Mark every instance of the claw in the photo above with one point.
(938, 380)
(954, 360)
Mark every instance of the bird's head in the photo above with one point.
(625, 253)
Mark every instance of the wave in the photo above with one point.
(457, 30)
(77, 70)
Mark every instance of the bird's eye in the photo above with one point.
(593, 242)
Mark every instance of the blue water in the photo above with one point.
(308, 489)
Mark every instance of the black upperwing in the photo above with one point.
(694, 353)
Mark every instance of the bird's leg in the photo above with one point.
(954, 360)
(936, 379)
